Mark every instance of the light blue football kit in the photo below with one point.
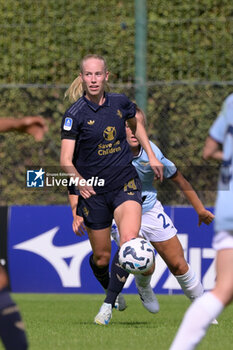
(156, 226)
(222, 132)
(146, 175)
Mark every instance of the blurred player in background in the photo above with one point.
(12, 332)
(199, 315)
(156, 227)
(94, 145)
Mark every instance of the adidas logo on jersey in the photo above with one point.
(91, 122)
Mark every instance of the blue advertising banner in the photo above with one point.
(45, 256)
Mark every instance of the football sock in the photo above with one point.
(117, 280)
(12, 331)
(191, 286)
(196, 321)
(101, 273)
(142, 280)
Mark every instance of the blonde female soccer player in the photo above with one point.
(94, 146)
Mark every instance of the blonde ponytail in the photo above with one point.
(75, 90)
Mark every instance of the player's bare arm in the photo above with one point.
(67, 151)
(139, 131)
(204, 215)
(33, 125)
(212, 149)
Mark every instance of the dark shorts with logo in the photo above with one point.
(97, 211)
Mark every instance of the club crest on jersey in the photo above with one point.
(119, 113)
(91, 122)
(68, 124)
(109, 133)
(144, 163)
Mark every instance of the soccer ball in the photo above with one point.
(136, 256)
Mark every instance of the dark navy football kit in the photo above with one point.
(102, 152)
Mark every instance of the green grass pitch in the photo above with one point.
(65, 322)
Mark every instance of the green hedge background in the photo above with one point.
(189, 68)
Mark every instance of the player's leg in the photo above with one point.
(12, 332)
(209, 306)
(224, 282)
(152, 229)
(127, 215)
(128, 219)
(99, 260)
(98, 219)
(118, 275)
(128, 229)
(172, 253)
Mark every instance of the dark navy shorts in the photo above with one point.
(97, 211)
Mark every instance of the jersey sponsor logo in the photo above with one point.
(68, 124)
(108, 148)
(91, 122)
(35, 178)
(119, 113)
(109, 133)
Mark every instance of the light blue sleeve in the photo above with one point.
(218, 129)
(169, 167)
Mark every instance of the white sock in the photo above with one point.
(142, 280)
(196, 322)
(191, 286)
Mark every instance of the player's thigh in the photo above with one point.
(172, 253)
(128, 219)
(101, 243)
(224, 270)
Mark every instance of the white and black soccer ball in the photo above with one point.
(137, 256)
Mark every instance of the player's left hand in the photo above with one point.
(205, 216)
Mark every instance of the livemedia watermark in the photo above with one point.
(39, 178)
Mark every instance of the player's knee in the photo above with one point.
(102, 260)
(180, 267)
(126, 236)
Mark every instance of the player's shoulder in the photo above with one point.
(229, 99)
(228, 103)
(116, 95)
(119, 98)
(76, 108)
